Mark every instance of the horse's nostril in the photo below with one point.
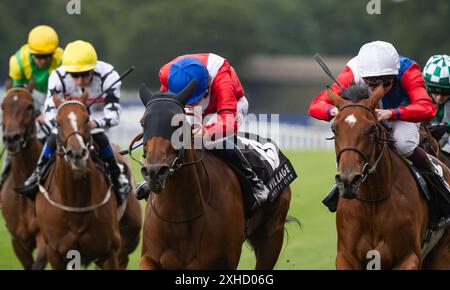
(84, 153)
(357, 179)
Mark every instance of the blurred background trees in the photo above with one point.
(148, 33)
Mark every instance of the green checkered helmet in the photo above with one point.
(437, 71)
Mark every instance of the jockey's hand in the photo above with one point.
(92, 124)
(40, 119)
(334, 111)
(383, 114)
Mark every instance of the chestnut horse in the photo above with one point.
(19, 137)
(194, 218)
(76, 207)
(382, 208)
(431, 145)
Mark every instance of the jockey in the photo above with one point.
(405, 103)
(82, 72)
(35, 60)
(220, 97)
(437, 78)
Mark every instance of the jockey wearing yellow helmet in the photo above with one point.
(36, 60)
(82, 72)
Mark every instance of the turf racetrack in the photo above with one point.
(313, 246)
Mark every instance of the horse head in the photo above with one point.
(163, 119)
(18, 119)
(74, 136)
(357, 132)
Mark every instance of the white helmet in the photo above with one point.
(378, 58)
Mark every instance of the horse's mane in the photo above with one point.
(356, 93)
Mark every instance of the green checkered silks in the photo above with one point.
(437, 71)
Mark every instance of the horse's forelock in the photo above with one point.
(356, 93)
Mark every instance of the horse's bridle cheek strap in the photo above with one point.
(367, 167)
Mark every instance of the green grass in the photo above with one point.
(313, 246)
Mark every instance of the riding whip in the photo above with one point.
(326, 69)
(115, 82)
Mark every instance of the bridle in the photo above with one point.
(63, 144)
(380, 138)
(176, 164)
(30, 132)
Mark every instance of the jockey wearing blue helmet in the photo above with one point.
(183, 71)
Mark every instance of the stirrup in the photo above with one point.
(331, 200)
(30, 191)
(142, 191)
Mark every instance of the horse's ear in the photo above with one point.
(8, 84)
(184, 96)
(84, 97)
(334, 98)
(57, 100)
(375, 98)
(31, 85)
(145, 94)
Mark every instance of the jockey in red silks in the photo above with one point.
(219, 97)
(405, 104)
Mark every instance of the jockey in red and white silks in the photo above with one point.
(224, 105)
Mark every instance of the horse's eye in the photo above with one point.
(334, 130)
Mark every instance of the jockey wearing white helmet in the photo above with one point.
(405, 104)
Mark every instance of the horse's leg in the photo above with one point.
(55, 259)
(145, 263)
(410, 262)
(112, 262)
(41, 259)
(130, 228)
(439, 257)
(344, 262)
(24, 251)
(268, 240)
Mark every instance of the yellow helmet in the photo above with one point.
(43, 40)
(79, 56)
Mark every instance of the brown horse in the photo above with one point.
(194, 218)
(76, 208)
(19, 137)
(431, 145)
(382, 208)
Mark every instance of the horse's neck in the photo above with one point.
(73, 189)
(185, 190)
(379, 184)
(23, 164)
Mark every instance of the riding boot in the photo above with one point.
(31, 185)
(119, 180)
(331, 200)
(142, 191)
(435, 180)
(5, 170)
(260, 191)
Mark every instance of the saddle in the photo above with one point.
(267, 161)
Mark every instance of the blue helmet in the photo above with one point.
(183, 71)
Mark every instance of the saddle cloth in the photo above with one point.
(267, 161)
